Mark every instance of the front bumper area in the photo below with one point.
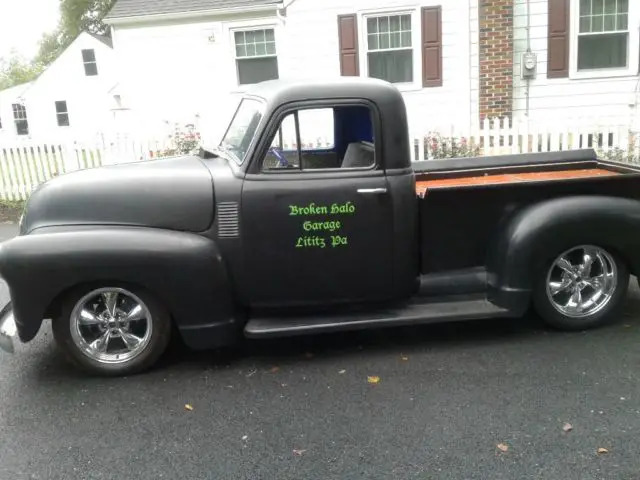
(8, 329)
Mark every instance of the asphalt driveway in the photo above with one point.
(445, 398)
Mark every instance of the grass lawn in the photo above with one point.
(10, 210)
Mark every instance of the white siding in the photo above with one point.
(172, 72)
(312, 49)
(474, 61)
(65, 80)
(556, 98)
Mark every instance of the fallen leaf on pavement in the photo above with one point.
(298, 453)
(188, 407)
(373, 379)
(502, 447)
(342, 371)
(567, 427)
(274, 369)
(404, 358)
(602, 450)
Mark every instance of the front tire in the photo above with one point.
(581, 287)
(112, 330)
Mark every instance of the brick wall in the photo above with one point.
(496, 58)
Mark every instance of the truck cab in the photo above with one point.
(323, 174)
(309, 216)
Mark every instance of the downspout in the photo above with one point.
(528, 80)
(470, 61)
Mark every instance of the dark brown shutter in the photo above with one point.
(348, 34)
(558, 39)
(431, 47)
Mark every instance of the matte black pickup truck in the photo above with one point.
(262, 237)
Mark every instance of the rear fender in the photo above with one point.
(525, 240)
(183, 270)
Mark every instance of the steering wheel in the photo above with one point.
(282, 161)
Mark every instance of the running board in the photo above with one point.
(412, 313)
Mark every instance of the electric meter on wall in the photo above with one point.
(529, 63)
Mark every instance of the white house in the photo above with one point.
(456, 62)
(70, 100)
(186, 60)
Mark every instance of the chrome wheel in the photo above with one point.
(581, 281)
(111, 325)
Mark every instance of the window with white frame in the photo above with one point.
(256, 58)
(20, 119)
(390, 48)
(603, 34)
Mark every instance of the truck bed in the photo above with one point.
(462, 201)
(423, 186)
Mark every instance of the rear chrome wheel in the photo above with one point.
(112, 330)
(581, 281)
(583, 287)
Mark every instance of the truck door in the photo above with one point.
(317, 216)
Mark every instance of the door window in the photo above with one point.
(322, 138)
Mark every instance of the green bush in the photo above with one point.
(617, 154)
(184, 140)
(439, 146)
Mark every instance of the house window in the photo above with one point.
(389, 48)
(89, 60)
(256, 58)
(603, 34)
(20, 119)
(62, 113)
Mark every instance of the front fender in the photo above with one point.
(529, 236)
(184, 270)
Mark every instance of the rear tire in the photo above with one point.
(112, 330)
(581, 287)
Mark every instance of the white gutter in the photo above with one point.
(191, 14)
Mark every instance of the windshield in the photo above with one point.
(242, 128)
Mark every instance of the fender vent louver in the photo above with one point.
(228, 220)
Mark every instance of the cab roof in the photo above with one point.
(285, 91)
(392, 139)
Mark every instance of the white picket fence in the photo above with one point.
(499, 136)
(23, 167)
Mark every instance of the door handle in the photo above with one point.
(374, 191)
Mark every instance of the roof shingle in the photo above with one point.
(136, 8)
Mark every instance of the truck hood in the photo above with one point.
(174, 193)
